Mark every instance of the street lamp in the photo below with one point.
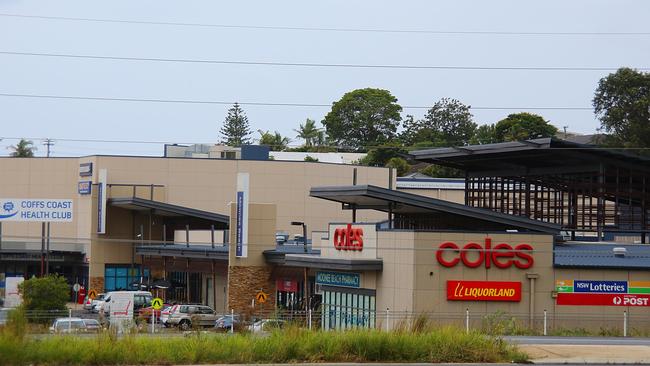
(304, 232)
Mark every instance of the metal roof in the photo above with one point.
(382, 199)
(181, 250)
(316, 261)
(166, 209)
(586, 255)
(530, 157)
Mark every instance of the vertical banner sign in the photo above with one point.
(242, 215)
(101, 202)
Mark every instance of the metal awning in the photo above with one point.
(382, 199)
(184, 251)
(318, 262)
(168, 210)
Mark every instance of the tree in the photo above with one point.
(380, 156)
(23, 149)
(311, 159)
(44, 293)
(622, 104)
(363, 118)
(523, 126)
(448, 123)
(310, 133)
(274, 140)
(235, 130)
(485, 134)
(439, 171)
(400, 165)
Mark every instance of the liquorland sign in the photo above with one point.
(36, 210)
(483, 291)
(475, 255)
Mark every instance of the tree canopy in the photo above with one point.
(363, 118)
(235, 129)
(310, 133)
(622, 104)
(523, 126)
(23, 149)
(45, 293)
(448, 123)
(274, 140)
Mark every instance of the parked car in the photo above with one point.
(92, 325)
(90, 304)
(184, 316)
(145, 313)
(68, 325)
(266, 325)
(226, 321)
(166, 312)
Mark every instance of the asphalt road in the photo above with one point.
(595, 341)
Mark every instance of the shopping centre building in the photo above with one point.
(545, 226)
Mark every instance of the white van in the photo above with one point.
(126, 301)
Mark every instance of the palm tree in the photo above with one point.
(275, 141)
(23, 149)
(308, 132)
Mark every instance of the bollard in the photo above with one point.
(232, 321)
(544, 321)
(309, 319)
(624, 323)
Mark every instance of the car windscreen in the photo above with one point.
(65, 324)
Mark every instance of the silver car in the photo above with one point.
(185, 316)
(68, 325)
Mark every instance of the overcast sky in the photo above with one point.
(184, 123)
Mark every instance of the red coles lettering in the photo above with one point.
(348, 238)
(474, 255)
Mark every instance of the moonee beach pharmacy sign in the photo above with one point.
(36, 210)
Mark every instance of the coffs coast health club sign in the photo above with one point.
(36, 210)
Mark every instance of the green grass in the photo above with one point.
(286, 346)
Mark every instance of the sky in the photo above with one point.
(220, 36)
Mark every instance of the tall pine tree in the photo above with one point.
(235, 130)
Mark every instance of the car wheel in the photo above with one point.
(185, 325)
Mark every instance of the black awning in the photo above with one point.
(316, 261)
(184, 251)
(169, 210)
(382, 199)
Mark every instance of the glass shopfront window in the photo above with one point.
(348, 308)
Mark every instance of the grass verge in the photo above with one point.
(287, 346)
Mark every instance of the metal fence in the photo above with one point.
(497, 323)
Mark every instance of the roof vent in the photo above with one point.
(619, 251)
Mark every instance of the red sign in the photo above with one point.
(483, 291)
(348, 238)
(287, 285)
(568, 298)
(501, 255)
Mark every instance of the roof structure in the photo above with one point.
(591, 255)
(580, 187)
(185, 251)
(446, 214)
(168, 210)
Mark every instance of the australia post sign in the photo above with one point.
(603, 293)
(483, 291)
(36, 210)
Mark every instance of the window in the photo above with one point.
(345, 310)
(120, 277)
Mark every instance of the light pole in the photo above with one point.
(304, 232)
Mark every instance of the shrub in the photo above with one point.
(44, 294)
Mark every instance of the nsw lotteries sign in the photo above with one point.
(36, 210)
(603, 293)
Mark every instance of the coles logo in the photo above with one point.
(348, 238)
(474, 255)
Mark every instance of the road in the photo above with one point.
(589, 341)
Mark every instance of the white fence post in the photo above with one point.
(387, 319)
(69, 320)
(467, 320)
(232, 321)
(624, 323)
(309, 319)
(153, 320)
(545, 322)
